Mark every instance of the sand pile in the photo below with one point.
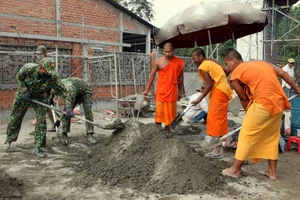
(141, 157)
(10, 188)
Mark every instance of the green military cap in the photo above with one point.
(41, 49)
(49, 64)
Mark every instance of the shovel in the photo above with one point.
(219, 142)
(54, 118)
(63, 112)
(179, 116)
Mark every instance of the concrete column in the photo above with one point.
(121, 31)
(148, 42)
(58, 18)
(85, 64)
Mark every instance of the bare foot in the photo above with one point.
(229, 172)
(266, 173)
(217, 150)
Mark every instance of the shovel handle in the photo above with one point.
(63, 112)
(293, 97)
(239, 128)
(230, 133)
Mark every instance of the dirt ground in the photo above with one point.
(138, 163)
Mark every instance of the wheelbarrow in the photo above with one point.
(136, 105)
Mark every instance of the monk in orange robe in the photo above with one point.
(216, 85)
(264, 101)
(169, 85)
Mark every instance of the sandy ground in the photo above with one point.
(66, 172)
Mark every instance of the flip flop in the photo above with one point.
(267, 175)
(226, 172)
(212, 155)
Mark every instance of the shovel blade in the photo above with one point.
(176, 120)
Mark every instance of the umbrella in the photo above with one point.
(211, 22)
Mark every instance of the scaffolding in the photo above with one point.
(275, 44)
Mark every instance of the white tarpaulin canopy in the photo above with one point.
(211, 22)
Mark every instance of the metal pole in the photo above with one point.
(116, 80)
(211, 50)
(133, 73)
(120, 77)
(250, 38)
(257, 46)
(272, 32)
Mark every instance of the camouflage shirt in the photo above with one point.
(76, 88)
(29, 79)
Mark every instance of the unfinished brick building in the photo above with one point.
(78, 32)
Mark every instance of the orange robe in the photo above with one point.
(219, 97)
(167, 92)
(259, 136)
(262, 85)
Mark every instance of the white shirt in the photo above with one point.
(195, 110)
(290, 71)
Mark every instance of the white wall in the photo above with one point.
(251, 46)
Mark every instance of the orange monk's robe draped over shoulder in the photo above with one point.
(217, 73)
(167, 91)
(259, 136)
(219, 97)
(166, 87)
(263, 85)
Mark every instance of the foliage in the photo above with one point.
(219, 50)
(142, 8)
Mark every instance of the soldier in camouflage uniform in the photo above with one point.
(34, 80)
(79, 92)
(41, 52)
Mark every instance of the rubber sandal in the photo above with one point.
(212, 155)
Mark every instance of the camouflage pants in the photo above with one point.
(19, 110)
(87, 102)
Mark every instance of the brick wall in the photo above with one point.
(85, 19)
(7, 98)
(91, 19)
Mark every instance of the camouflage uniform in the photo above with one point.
(79, 92)
(30, 80)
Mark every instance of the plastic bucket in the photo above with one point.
(295, 130)
(139, 102)
(295, 117)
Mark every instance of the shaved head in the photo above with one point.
(233, 54)
(232, 59)
(199, 52)
(169, 45)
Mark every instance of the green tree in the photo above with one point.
(142, 8)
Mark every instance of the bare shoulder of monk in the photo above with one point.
(162, 62)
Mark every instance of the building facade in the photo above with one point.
(74, 31)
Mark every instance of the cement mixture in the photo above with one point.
(10, 188)
(138, 163)
(141, 157)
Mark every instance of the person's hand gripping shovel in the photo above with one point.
(179, 116)
(117, 124)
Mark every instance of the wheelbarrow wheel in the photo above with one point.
(146, 113)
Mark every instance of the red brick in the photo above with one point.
(88, 12)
